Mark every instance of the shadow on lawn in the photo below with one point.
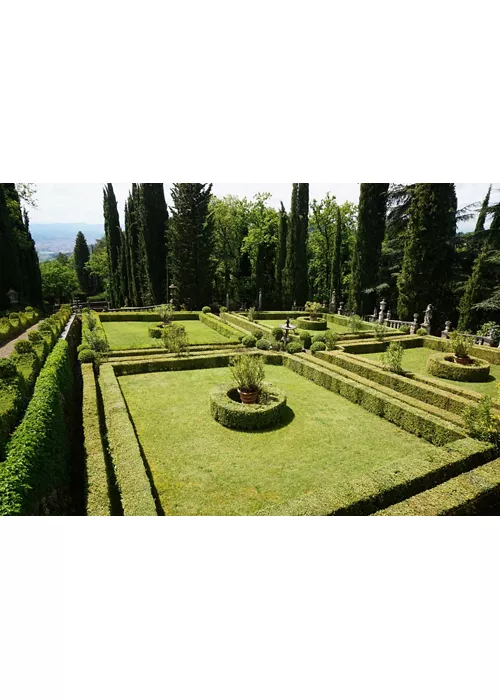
(288, 416)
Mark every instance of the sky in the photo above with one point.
(82, 203)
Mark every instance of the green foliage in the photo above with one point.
(175, 339)
(154, 332)
(87, 355)
(404, 329)
(481, 423)
(247, 371)
(263, 344)
(380, 331)
(421, 332)
(313, 308)
(97, 341)
(166, 312)
(461, 344)
(393, 358)
(278, 333)
(295, 283)
(444, 366)
(23, 347)
(293, 347)
(305, 339)
(251, 315)
(81, 255)
(268, 412)
(281, 253)
(112, 232)
(249, 341)
(206, 310)
(317, 346)
(355, 323)
(219, 326)
(490, 328)
(35, 337)
(7, 368)
(35, 477)
(308, 324)
(331, 340)
(258, 334)
(223, 309)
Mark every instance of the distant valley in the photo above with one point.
(51, 239)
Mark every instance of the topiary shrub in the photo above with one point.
(320, 338)
(223, 309)
(35, 337)
(206, 310)
(305, 339)
(421, 331)
(263, 344)
(14, 316)
(23, 347)
(278, 333)
(87, 355)
(445, 367)
(154, 332)
(294, 347)
(269, 411)
(249, 341)
(308, 324)
(29, 309)
(258, 334)
(404, 329)
(331, 340)
(7, 368)
(317, 346)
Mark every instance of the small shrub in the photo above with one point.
(461, 344)
(480, 423)
(263, 344)
(14, 316)
(247, 371)
(165, 312)
(87, 355)
(249, 341)
(23, 347)
(7, 368)
(421, 331)
(355, 323)
(223, 309)
(96, 341)
(175, 339)
(278, 345)
(392, 359)
(317, 347)
(320, 338)
(305, 339)
(294, 347)
(331, 340)
(278, 333)
(313, 308)
(205, 310)
(83, 346)
(29, 309)
(404, 329)
(490, 330)
(154, 332)
(380, 331)
(35, 337)
(258, 334)
(251, 313)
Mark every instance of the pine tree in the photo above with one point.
(473, 292)
(192, 243)
(281, 255)
(368, 245)
(295, 285)
(113, 236)
(336, 275)
(81, 255)
(429, 251)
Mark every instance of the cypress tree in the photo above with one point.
(81, 255)
(192, 243)
(9, 259)
(495, 223)
(295, 283)
(113, 234)
(154, 230)
(429, 251)
(473, 292)
(143, 270)
(281, 255)
(368, 245)
(36, 297)
(336, 275)
(481, 219)
(131, 258)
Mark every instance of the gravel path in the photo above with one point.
(6, 349)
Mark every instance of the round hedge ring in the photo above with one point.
(445, 367)
(304, 322)
(227, 409)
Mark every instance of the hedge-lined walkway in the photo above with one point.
(6, 349)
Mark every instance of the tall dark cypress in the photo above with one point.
(131, 257)
(191, 259)
(113, 240)
(295, 283)
(473, 292)
(495, 224)
(368, 245)
(81, 255)
(10, 272)
(429, 251)
(143, 269)
(281, 255)
(481, 219)
(336, 275)
(33, 264)
(155, 222)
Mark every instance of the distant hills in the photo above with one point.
(51, 239)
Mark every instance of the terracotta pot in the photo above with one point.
(463, 360)
(248, 397)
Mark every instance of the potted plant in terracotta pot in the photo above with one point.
(313, 309)
(248, 373)
(461, 345)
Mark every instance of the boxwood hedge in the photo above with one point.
(97, 488)
(269, 412)
(216, 324)
(307, 324)
(12, 327)
(443, 366)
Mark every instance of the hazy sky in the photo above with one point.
(82, 203)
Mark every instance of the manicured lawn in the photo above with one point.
(134, 334)
(273, 323)
(415, 360)
(200, 467)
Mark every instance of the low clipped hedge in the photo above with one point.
(344, 321)
(246, 325)
(131, 478)
(11, 403)
(16, 323)
(414, 420)
(306, 324)
(444, 367)
(483, 352)
(146, 316)
(356, 347)
(216, 324)
(317, 346)
(461, 495)
(97, 488)
(35, 477)
(232, 414)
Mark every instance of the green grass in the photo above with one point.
(278, 322)
(200, 467)
(415, 360)
(134, 334)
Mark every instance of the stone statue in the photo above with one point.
(260, 299)
(428, 315)
(381, 314)
(341, 308)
